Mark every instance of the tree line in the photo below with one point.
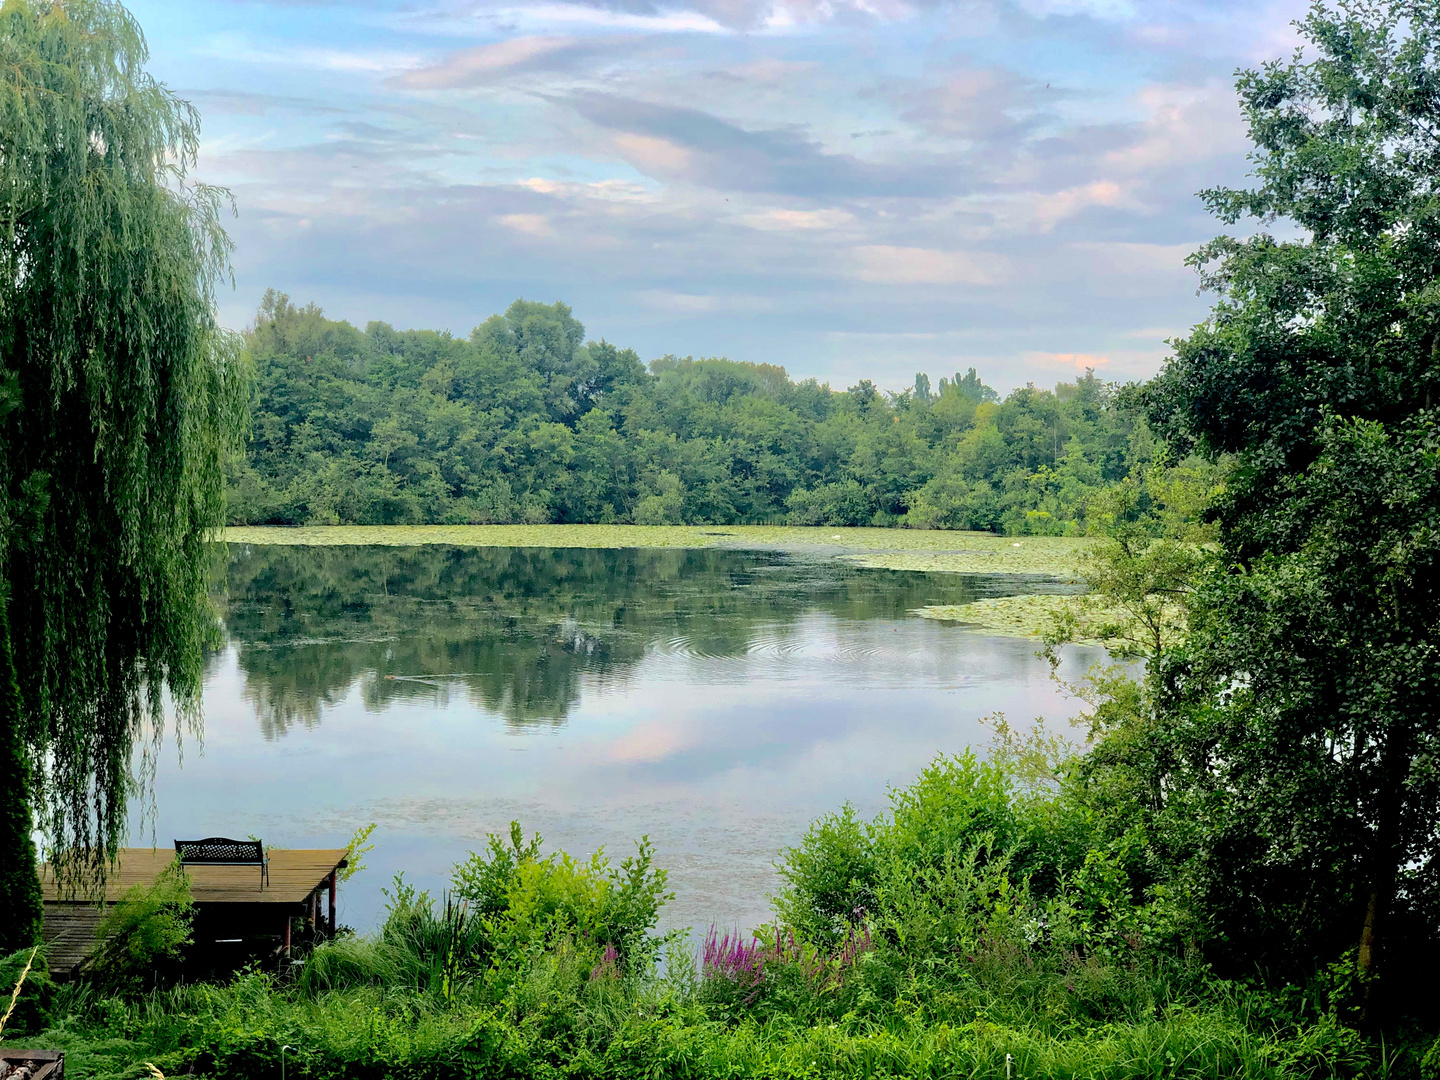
(526, 421)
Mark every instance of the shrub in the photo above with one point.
(530, 901)
(844, 503)
(29, 1002)
(141, 939)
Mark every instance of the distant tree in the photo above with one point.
(124, 398)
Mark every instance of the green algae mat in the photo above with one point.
(888, 549)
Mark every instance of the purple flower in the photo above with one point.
(732, 958)
(609, 965)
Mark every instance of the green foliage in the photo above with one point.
(531, 901)
(830, 878)
(1142, 572)
(969, 961)
(140, 941)
(518, 927)
(122, 399)
(1295, 740)
(27, 994)
(523, 422)
(21, 898)
(356, 851)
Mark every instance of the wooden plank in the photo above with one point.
(294, 876)
(69, 934)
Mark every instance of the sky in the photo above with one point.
(848, 188)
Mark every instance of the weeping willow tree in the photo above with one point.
(120, 397)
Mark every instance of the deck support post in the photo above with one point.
(332, 903)
(288, 920)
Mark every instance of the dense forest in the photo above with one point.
(525, 421)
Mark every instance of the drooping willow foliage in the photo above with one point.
(121, 397)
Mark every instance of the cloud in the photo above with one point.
(887, 265)
(786, 219)
(644, 18)
(489, 63)
(1046, 211)
(702, 16)
(981, 104)
(234, 48)
(1078, 361)
(693, 304)
(773, 180)
(537, 225)
(689, 145)
(253, 103)
(654, 740)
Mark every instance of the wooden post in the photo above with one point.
(287, 937)
(332, 903)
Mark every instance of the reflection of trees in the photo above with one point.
(517, 629)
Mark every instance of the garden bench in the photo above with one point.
(221, 851)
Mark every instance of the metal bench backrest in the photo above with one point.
(220, 851)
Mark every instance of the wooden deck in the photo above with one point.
(229, 902)
(294, 876)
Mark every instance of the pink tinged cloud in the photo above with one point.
(882, 264)
(480, 65)
(653, 740)
(1078, 361)
(653, 155)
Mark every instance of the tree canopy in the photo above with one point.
(525, 421)
(1287, 761)
(121, 399)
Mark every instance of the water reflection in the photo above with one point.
(520, 632)
(716, 700)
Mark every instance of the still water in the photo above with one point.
(715, 700)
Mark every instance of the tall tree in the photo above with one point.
(124, 397)
(1312, 684)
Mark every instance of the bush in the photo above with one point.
(845, 503)
(529, 900)
(32, 999)
(141, 939)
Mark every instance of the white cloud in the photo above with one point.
(787, 220)
(676, 20)
(235, 48)
(530, 224)
(695, 304)
(884, 264)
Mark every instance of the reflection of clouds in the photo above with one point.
(653, 741)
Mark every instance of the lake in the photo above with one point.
(715, 700)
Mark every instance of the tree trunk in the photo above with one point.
(20, 897)
(1385, 869)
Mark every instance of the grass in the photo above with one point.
(887, 549)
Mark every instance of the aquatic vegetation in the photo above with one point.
(1027, 616)
(928, 550)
